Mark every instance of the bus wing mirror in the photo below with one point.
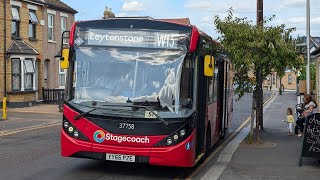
(64, 59)
(208, 65)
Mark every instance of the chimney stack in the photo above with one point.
(108, 13)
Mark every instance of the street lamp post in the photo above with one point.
(308, 48)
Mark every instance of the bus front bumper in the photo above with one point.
(180, 155)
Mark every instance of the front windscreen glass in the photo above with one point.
(122, 75)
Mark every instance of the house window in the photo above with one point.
(23, 74)
(50, 26)
(289, 79)
(46, 70)
(64, 28)
(33, 20)
(28, 73)
(273, 79)
(62, 76)
(15, 24)
(16, 74)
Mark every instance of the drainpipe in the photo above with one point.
(4, 100)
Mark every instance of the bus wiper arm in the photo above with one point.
(166, 123)
(83, 114)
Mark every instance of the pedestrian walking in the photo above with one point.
(290, 121)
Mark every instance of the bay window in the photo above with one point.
(23, 73)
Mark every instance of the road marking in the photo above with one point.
(197, 170)
(28, 128)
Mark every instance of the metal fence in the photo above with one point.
(53, 96)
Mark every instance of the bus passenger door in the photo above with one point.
(222, 65)
(201, 106)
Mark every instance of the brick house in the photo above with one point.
(26, 49)
(59, 17)
(289, 81)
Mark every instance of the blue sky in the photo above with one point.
(201, 12)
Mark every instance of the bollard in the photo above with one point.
(4, 108)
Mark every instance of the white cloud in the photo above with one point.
(294, 3)
(296, 20)
(242, 6)
(199, 5)
(315, 20)
(132, 6)
(122, 14)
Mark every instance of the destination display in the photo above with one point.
(137, 38)
(311, 140)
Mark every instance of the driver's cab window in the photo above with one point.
(187, 76)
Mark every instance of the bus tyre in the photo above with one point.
(208, 140)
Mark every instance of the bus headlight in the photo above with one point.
(182, 132)
(76, 134)
(176, 137)
(65, 124)
(72, 131)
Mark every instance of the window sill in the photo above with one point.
(33, 39)
(51, 41)
(16, 38)
(22, 92)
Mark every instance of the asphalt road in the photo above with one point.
(35, 153)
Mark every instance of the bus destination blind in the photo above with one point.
(143, 39)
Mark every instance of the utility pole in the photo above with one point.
(308, 47)
(4, 99)
(259, 78)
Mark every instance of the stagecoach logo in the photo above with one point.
(79, 41)
(99, 136)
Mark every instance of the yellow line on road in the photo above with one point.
(28, 128)
(196, 171)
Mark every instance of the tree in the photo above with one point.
(252, 47)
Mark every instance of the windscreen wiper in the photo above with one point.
(93, 103)
(166, 123)
(83, 114)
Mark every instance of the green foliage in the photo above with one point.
(303, 71)
(271, 48)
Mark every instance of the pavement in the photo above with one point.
(34, 116)
(276, 158)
